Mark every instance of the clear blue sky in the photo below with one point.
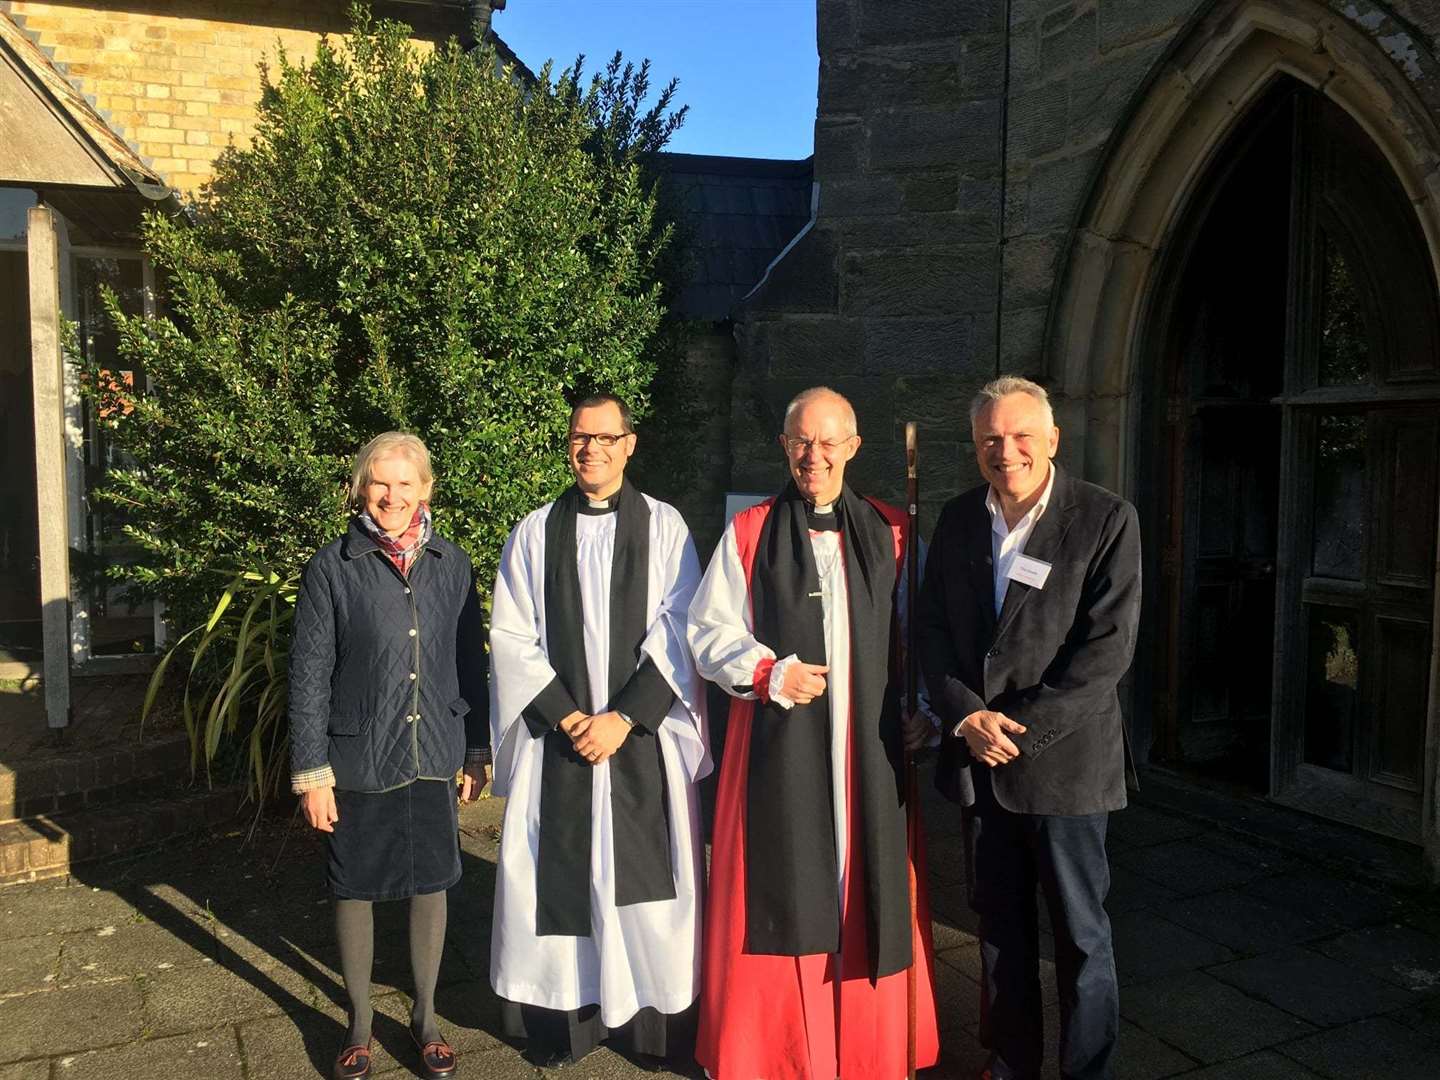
(747, 68)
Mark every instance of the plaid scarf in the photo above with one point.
(401, 550)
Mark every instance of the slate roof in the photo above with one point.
(737, 215)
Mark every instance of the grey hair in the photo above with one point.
(1004, 386)
(386, 445)
(818, 393)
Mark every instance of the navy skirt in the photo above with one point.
(389, 845)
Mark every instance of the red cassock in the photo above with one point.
(807, 1017)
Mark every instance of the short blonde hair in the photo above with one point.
(387, 445)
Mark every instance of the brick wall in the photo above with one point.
(179, 79)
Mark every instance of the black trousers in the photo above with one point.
(1065, 857)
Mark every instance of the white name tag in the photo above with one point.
(1029, 571)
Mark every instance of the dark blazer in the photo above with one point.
(361, 630)
(1053, 658)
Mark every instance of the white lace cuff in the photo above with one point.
(777, 680)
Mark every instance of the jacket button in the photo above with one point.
(992, 654)
(407, 590)
(409, 719)
(412, 676)
(413, 631)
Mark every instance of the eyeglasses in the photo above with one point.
(825, 446)
(581, 439)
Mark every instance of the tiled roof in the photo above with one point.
(737, 214)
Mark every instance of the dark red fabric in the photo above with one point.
(811, 1017)
(762, 678)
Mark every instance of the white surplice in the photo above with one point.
(722, 636)
(639, 955)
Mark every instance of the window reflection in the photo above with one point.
(1332, 687)
(1344, 341)
(1340, 498)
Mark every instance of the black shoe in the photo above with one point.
(352, 1063)
(437, 1058)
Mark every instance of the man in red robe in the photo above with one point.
(808, 934)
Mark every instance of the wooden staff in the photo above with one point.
(912, 705)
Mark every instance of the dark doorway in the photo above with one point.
(1295, 419)
(19, 535)
(1219, 432)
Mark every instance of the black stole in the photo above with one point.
(637, 777)
(792, 906)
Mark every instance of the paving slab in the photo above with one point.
(606, 1064)
(205, 995)
(1206, 1019)
(1313, 986)
(59, 908)
(1376, 1049)
(1264, 1065)
(88, 1017)
(1141, 1056)
(214, 1055)
(1142, 826)
(1188, 867)
(29, 964)
(26, 1070)
(121, 951)
(1393, 952)
(957, 1001)
(1138, 1054)
(1130, 891)
(1148, 947)
(1332, 902)
(1243, 922)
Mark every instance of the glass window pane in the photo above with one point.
(119, 622)
(1340, 498)
(1344, 337)
(15, 206)
(1332, 687)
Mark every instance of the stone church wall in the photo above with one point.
(911, 288)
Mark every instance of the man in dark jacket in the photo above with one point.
(1028, 616)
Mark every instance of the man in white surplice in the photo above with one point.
(598, 729)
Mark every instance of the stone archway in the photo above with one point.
(1101, 348)
(1157, 159)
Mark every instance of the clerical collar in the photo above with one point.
(596, 507)
(823, 518)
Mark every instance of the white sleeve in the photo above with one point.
(720, 631)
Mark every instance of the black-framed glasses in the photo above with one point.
(581, 439)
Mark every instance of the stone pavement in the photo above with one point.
(213, 959)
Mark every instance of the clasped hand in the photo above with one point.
(803, 682)
(597, 737)
(987, 734)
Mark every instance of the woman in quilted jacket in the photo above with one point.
(387, 703)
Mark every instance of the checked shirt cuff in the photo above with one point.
(312, 779)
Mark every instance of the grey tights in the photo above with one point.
(355, 933)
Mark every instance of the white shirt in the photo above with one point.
(1005, 542)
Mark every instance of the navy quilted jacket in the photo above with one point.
(387, 673)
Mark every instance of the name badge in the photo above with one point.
(1029, 571)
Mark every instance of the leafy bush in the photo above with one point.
(412, 241)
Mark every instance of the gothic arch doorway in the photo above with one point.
(1306, 396)
(1297, 402)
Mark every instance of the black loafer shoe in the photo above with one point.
(352, 1063)
(437, 1059)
